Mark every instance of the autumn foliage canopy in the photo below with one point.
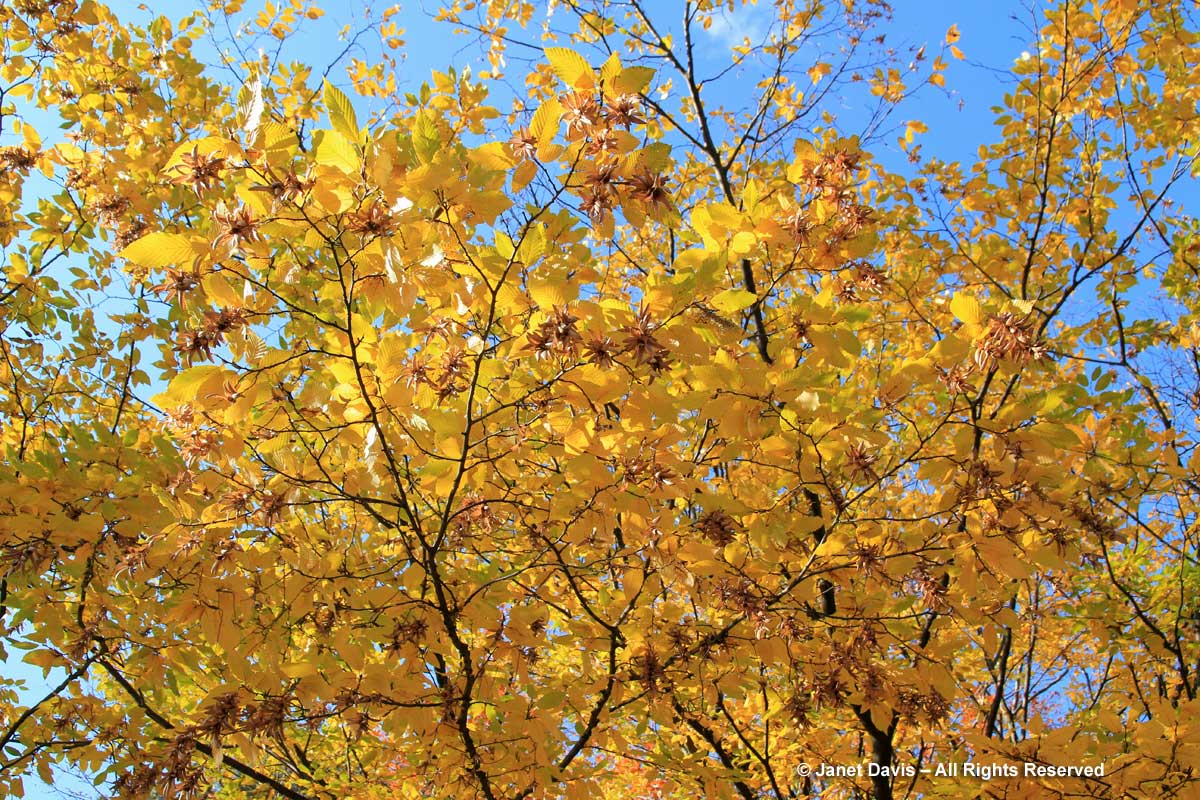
(649, 415)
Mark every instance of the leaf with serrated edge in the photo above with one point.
(570, 67)
(160, 249)
(966, 308)
(341, 111)
(732, 300)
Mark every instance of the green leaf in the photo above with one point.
(427, 140)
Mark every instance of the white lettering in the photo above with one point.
(839, 771)
(901, 771)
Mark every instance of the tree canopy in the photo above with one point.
(613, 422)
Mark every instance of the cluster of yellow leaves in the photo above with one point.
(619, 446)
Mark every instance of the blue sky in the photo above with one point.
(994, 34)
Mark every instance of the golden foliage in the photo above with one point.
(646, 438)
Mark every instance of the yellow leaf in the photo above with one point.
(1024, 306)
(196, 383)
(219, 291)
(335, 150)
(610, 71)
(549, 293)
(504, 246)
(532, 245)
(33, 142)
(299, 669)
(160, 249)
(42, 658)
(966, 308)
(523, 174)
(341, 112)
(570, 67)
(914, 127)
(544, 125)
(576, 442)
(818, 71)
(493, 155)
(426, 138)
(633, 80)
(631, 583)
(732, 300)
(743, 242)
(952, 35)
(277, 137)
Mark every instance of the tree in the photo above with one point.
(645, 436)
